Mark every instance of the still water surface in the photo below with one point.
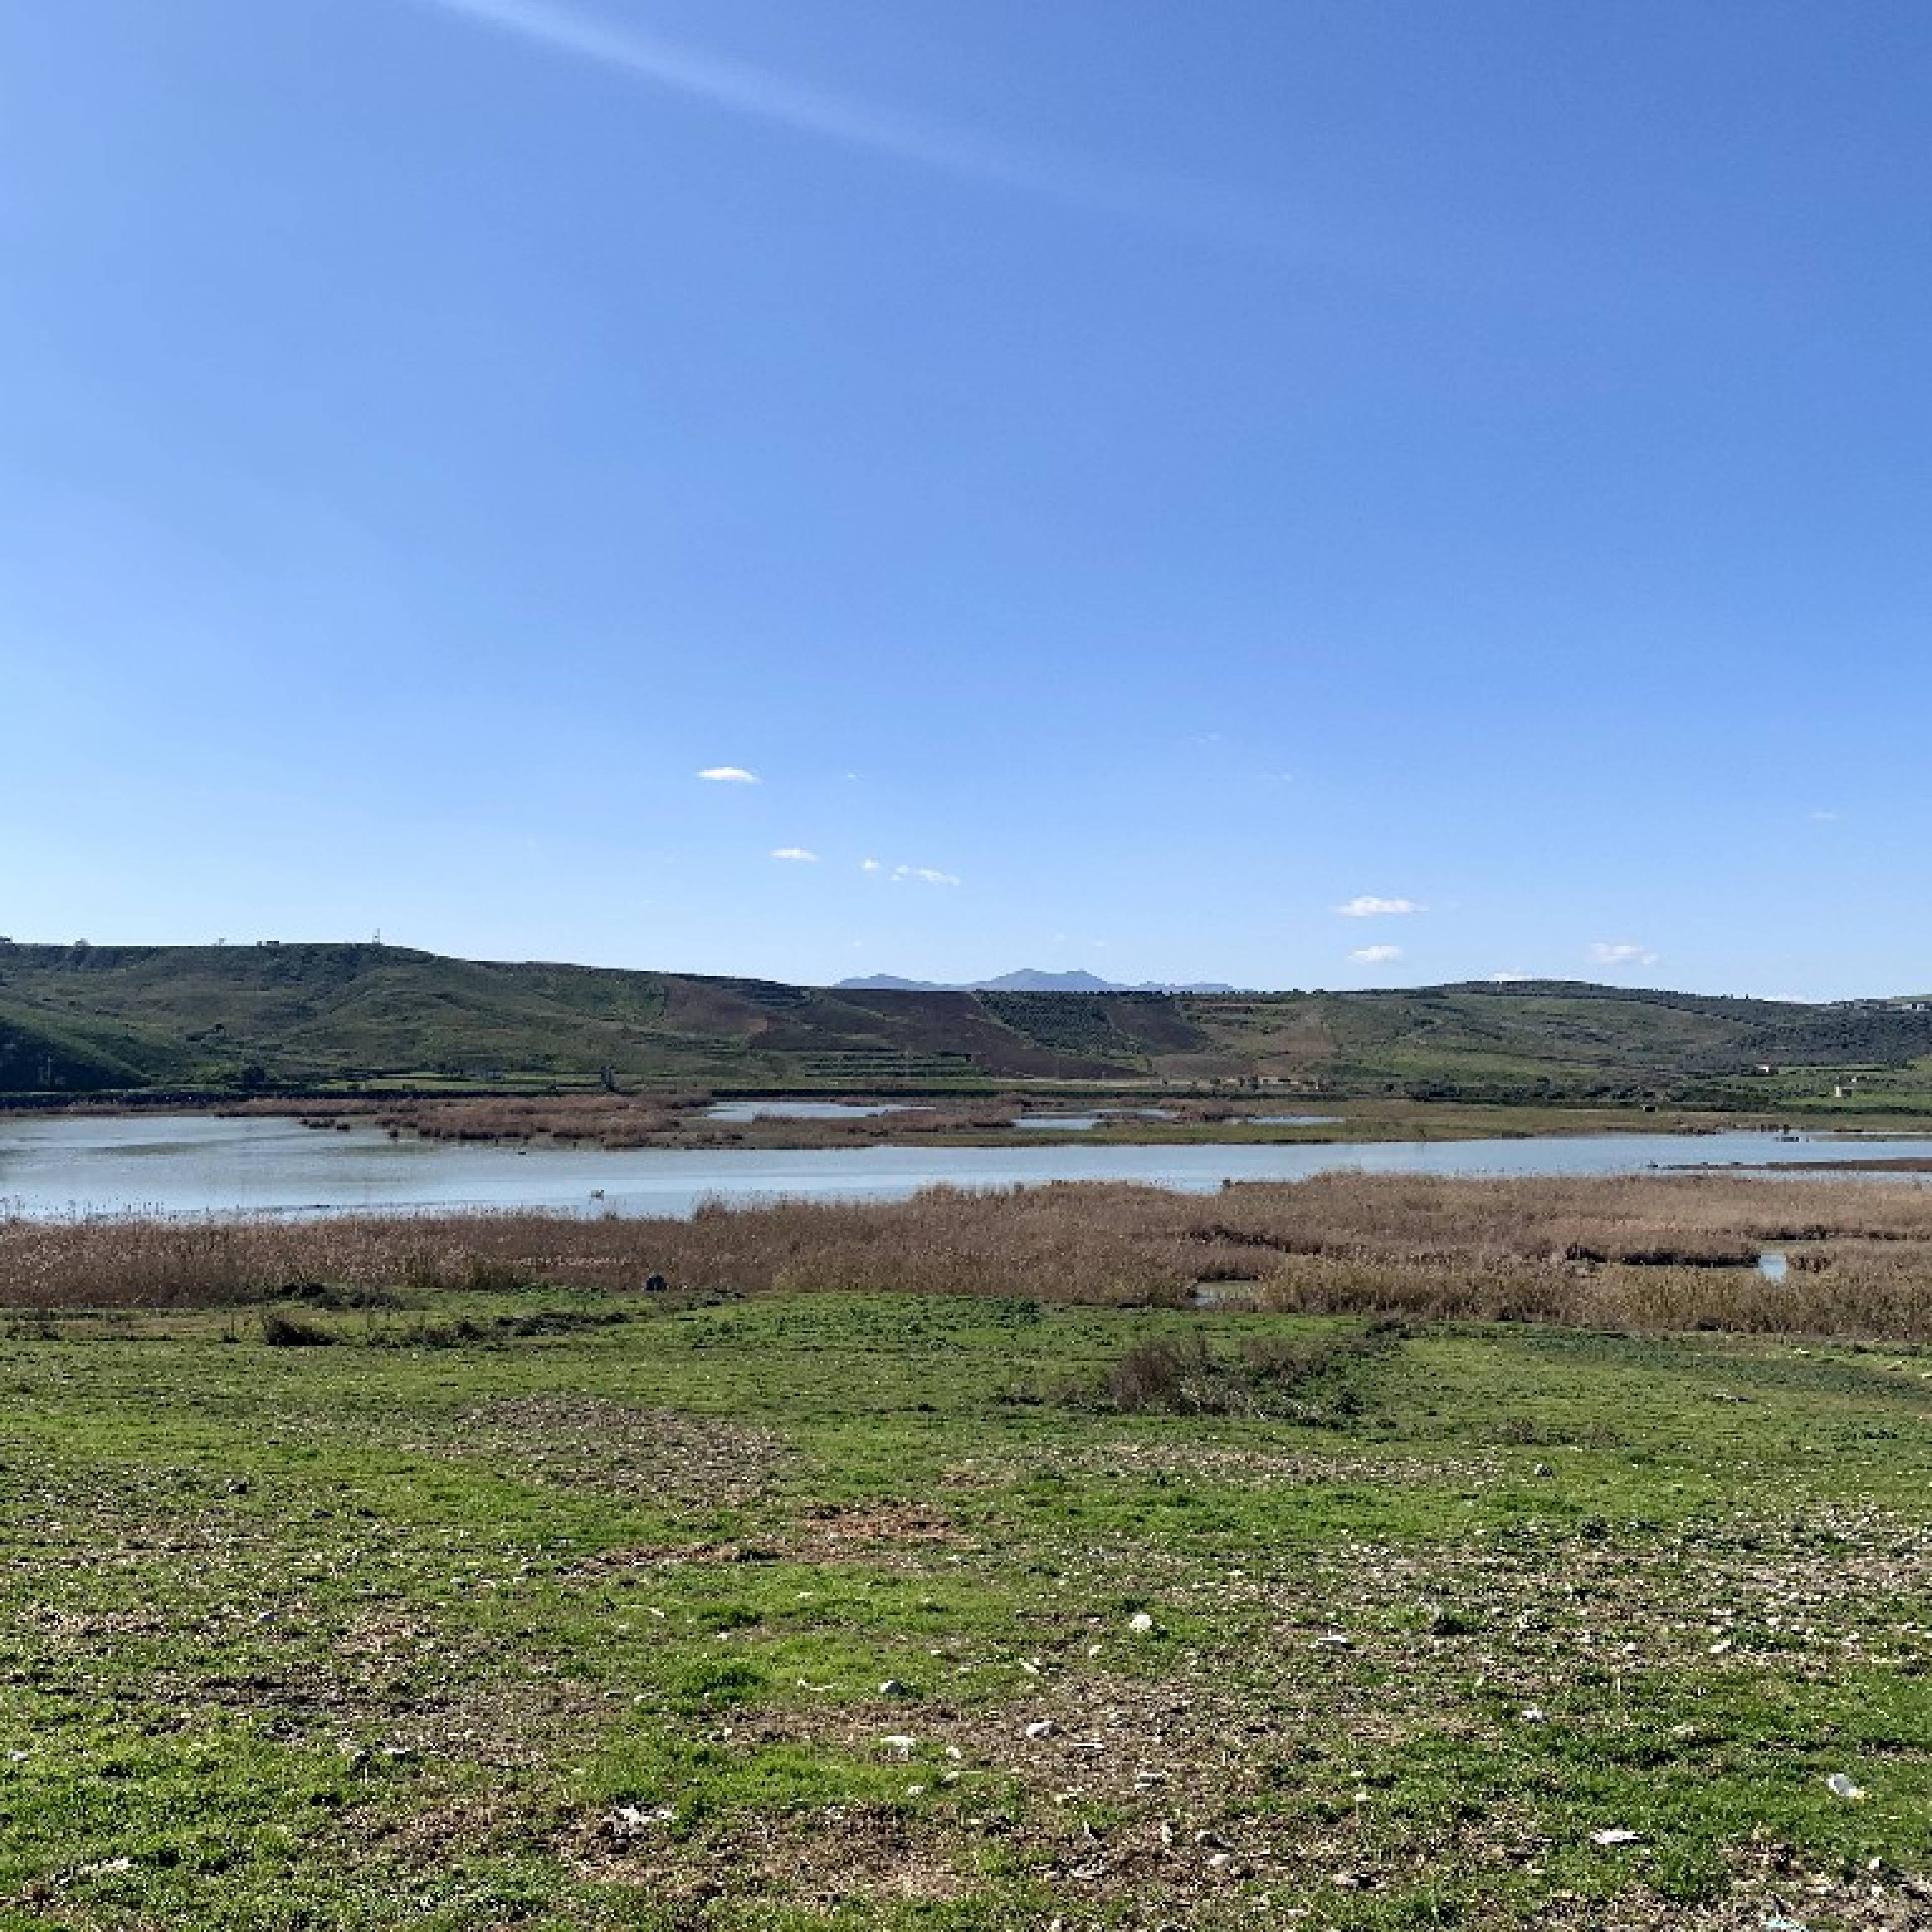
(196, 1164)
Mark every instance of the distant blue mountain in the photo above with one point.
(1028, 980)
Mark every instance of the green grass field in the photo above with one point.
(557, 1608)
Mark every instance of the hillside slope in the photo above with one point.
(91, 1018)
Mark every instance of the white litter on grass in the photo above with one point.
(898, 1740)
(1534, 1714)
(1613, 1834)
(627, 1819)
(1141, 1622)
(1044, 1728)
(1840, 1785)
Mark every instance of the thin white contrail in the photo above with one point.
(943, 146)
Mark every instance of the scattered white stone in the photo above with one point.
(1534, 1714)
(1043, 1727)
(1140, 1623)
(1334, 1640)
(898, 1740)
(1840, 1785)
(629, 1820)
(892, 1687)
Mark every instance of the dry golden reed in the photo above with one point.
(1651, 1252)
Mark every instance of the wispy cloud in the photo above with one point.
(901, 875)
(945, 147)
(797, 854)
(1508, 978)
(1366, 905)
(1826, 818)
(1621, 952)
(729, 774)
(1376, 956)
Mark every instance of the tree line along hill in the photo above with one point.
(84, 1019)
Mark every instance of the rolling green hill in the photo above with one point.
(104, 1018)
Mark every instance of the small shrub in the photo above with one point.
(1305, 1378)
(281, 1329)
(336, 1295)
(1169, 1374)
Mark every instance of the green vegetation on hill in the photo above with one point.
(97, 1018)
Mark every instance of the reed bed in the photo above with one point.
(680, 1119)
(1641, 1253)
(617, 1121)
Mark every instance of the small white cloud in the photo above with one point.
(797, 853)
(1366, 905)
(1509, 978)
(1826, 818)
(1621, 952)
(729, 774)
(1374, 955)
(900, 875)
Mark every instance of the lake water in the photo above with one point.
(198, 1164)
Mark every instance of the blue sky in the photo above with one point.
(1154, 488)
